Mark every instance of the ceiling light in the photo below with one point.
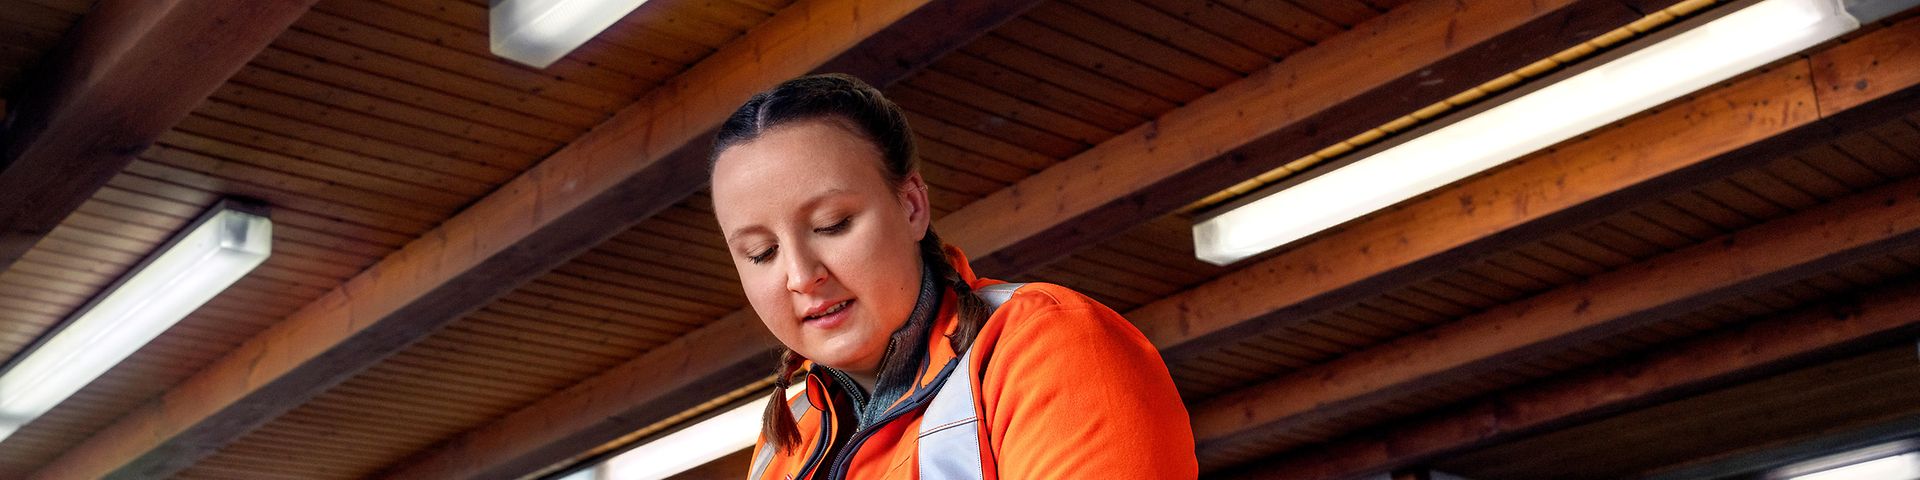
(691, 447)
(1889, 461)
(213, 252)
(539, 32)
(1897, 467)
(698, 444)
(1686, 62)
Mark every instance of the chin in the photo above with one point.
(844, 357)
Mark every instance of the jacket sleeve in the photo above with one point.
(1075, 391)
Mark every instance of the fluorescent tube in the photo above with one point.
(690, 447)
(1714, 52)
(216, 251)
(539, 32)
(1897, 467)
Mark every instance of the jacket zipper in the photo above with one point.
(841, 461)
(821, 442)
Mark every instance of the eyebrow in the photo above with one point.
(806, 205)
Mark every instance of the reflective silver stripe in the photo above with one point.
(766, 452)
(997, 294)
(949, 446)
(949, 436)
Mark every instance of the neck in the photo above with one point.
(864, 379)
(896, 373)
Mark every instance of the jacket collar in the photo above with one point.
(939, 350)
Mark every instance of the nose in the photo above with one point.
(804, 271)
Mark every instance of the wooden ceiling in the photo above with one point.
(1843, 395)
(486, 270)
(32, 28)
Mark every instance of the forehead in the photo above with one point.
(787, 167)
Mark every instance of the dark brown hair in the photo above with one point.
(865, 112)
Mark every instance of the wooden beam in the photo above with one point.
(1747, 262)
(1873, 319)
(1315, 91)
(1626, 160)
(127, 72)
(1708, 135)
(1409, 58)
(1775, 452)
(649, 156)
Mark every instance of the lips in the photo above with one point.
(826, 310)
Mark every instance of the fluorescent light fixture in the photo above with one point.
(539, 32)
(690, 447)
(1889, 461)
(1691, 60)
(212, 253)
(1897, 467)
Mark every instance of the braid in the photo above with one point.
(972, 310)
(782, 430)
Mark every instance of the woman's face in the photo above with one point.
(826, 246)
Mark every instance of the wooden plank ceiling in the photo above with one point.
(30, 29)
(1846, 394)
(370, 124)
(363, 134)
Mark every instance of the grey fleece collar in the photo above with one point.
(900, 363)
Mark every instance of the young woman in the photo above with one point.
(914, 367)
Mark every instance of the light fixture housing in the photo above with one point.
(539, 32)
(692, 446)
(1898, 460)
(1685, 62)
(210, 254)
(1905, 466)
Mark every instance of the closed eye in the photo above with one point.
(836, 228)
(763, 256)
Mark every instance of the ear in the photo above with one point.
(913, 196)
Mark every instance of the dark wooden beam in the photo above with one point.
(1414, 56)
(1635, 159)
(1709, 135)
(1747, 262)
(648, 157)
(1873, 319)
(127, 72)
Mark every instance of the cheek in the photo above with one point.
(767, 293)
(885, 269)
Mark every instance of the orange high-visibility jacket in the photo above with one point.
(1061, 387)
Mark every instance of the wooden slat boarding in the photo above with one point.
(1803, 244)
(126, 73)
(1259, 123)
(586, 174)
(731, 351)
(1871, 318)
(1488, 221)
(1605, 245)
(1613, 312)
(30, 30)
(158, 60)
(58, 431)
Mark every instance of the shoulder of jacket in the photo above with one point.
(1043, 294)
